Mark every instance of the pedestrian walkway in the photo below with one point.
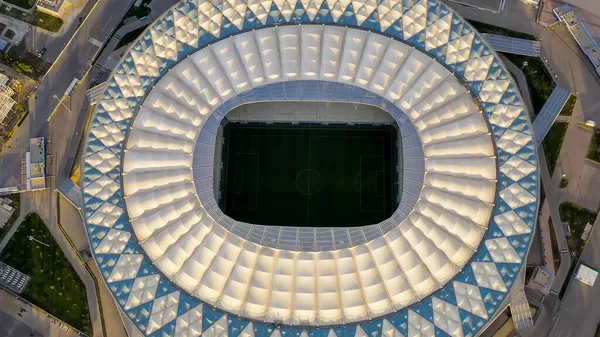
(11, 327)
(28, 320)
(71, 192)
(519, 306)
(513, 45)
(544, 120)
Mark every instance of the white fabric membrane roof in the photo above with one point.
(402, 266)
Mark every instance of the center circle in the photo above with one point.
(309, 182)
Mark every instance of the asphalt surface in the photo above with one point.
(10, 327)
(72, 62)
(588, 5)
(37, 39)
(579, 311)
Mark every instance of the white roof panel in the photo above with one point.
(287, 274)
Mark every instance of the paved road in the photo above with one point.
(72, 63)
(579, 312)
(37, 38)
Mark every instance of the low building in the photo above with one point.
(6, 211)
(36, 164)
(587, 275)
(580, 33)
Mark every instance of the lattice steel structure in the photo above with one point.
(6, 101)
(440, 266)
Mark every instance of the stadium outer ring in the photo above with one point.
(103, 154)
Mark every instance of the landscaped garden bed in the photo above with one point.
(489, 29)
(577, 217)
(567, 110)
(594, 148)
(54, 285)
(539, 80)
(553, 143)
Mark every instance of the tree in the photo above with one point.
(22, 67)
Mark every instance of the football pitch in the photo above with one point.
(309, 175)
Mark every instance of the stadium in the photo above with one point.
(310, 168)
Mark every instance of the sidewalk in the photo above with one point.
(73, 226)
(547, 253)
(554, 198)
(32, 318)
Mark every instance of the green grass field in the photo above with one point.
(309, 175)
(553, 143)
(577, 217)
(54, 286)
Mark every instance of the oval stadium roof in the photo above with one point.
(441, 265)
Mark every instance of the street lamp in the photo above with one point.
(31, 238)
(54, 111)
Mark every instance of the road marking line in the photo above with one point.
(106, 24)
(96, 42)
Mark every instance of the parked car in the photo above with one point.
(42, 52)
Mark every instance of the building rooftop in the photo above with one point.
(6, 97)
(174, 261)
(36, 147)
(587, 275)
(580, 32)
(36, 164)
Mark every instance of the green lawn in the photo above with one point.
(139, 11)
(577, 217)
(130, 37)
(47, 21)
(489, 29)
(553, 142)
(539, 80)
(567, 110)
(27, 4)
(309, 175)
(593, 153)
(54, 285)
